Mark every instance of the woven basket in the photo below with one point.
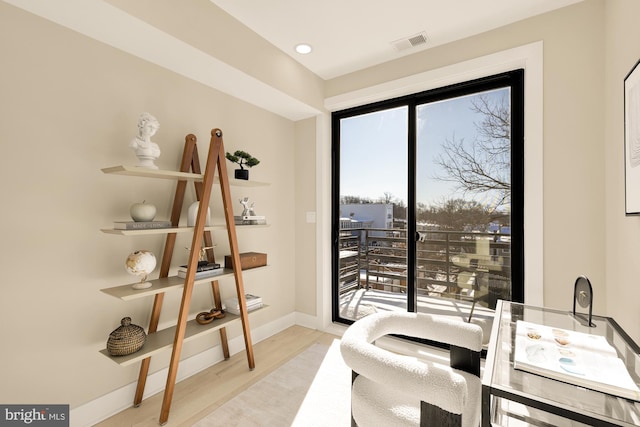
(126, 339)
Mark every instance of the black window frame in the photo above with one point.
(513, 79)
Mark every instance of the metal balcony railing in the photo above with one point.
(448, 263)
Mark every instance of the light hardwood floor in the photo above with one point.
(200, 394)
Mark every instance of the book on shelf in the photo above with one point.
(250, 220)
(202, 266)
(140, 225)
(233, 306)
(573, 357)
(202, 274)
(203, 270)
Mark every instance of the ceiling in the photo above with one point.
(349, 35)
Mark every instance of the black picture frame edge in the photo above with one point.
(625, 148)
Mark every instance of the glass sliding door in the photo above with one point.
(371, 212)
(463, 203)
(428, 201)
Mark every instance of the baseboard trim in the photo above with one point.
(118, 400)
(306, 320)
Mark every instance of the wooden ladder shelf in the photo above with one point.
(201, 239)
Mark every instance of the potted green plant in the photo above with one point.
(243, 159)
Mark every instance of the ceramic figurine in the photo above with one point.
(192, 214)
(247, 209)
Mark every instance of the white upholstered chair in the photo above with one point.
(389, 389)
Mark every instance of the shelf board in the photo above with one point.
(241, 182)
(152, 173)
(170, 230)
(164, 284)
(167, 230)
(162, 340)
(176, 175)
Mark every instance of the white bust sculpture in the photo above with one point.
(146, 150)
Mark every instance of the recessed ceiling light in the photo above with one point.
(303, 48)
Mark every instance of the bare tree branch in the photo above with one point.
(483, 166)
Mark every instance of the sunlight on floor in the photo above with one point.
(328, 401)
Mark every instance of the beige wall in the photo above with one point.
(203, 25)
(69, 107)
(305, 228)
(588, 50)
(573, 168)
(622, 233)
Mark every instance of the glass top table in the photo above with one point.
(515, 397)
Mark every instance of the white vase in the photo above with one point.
(192, 214)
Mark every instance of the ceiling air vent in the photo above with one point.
(410, 42)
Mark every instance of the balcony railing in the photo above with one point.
(448, 263)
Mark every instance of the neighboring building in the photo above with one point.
(503, 230)
(375, 215)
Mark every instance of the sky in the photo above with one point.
(373, 149)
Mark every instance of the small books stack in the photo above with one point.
(204, 270)
(250, 220)
(253, 302)
(140, 225)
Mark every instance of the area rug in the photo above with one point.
(312, 389)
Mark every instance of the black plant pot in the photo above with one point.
(242, 174)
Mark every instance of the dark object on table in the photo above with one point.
(583, 293)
